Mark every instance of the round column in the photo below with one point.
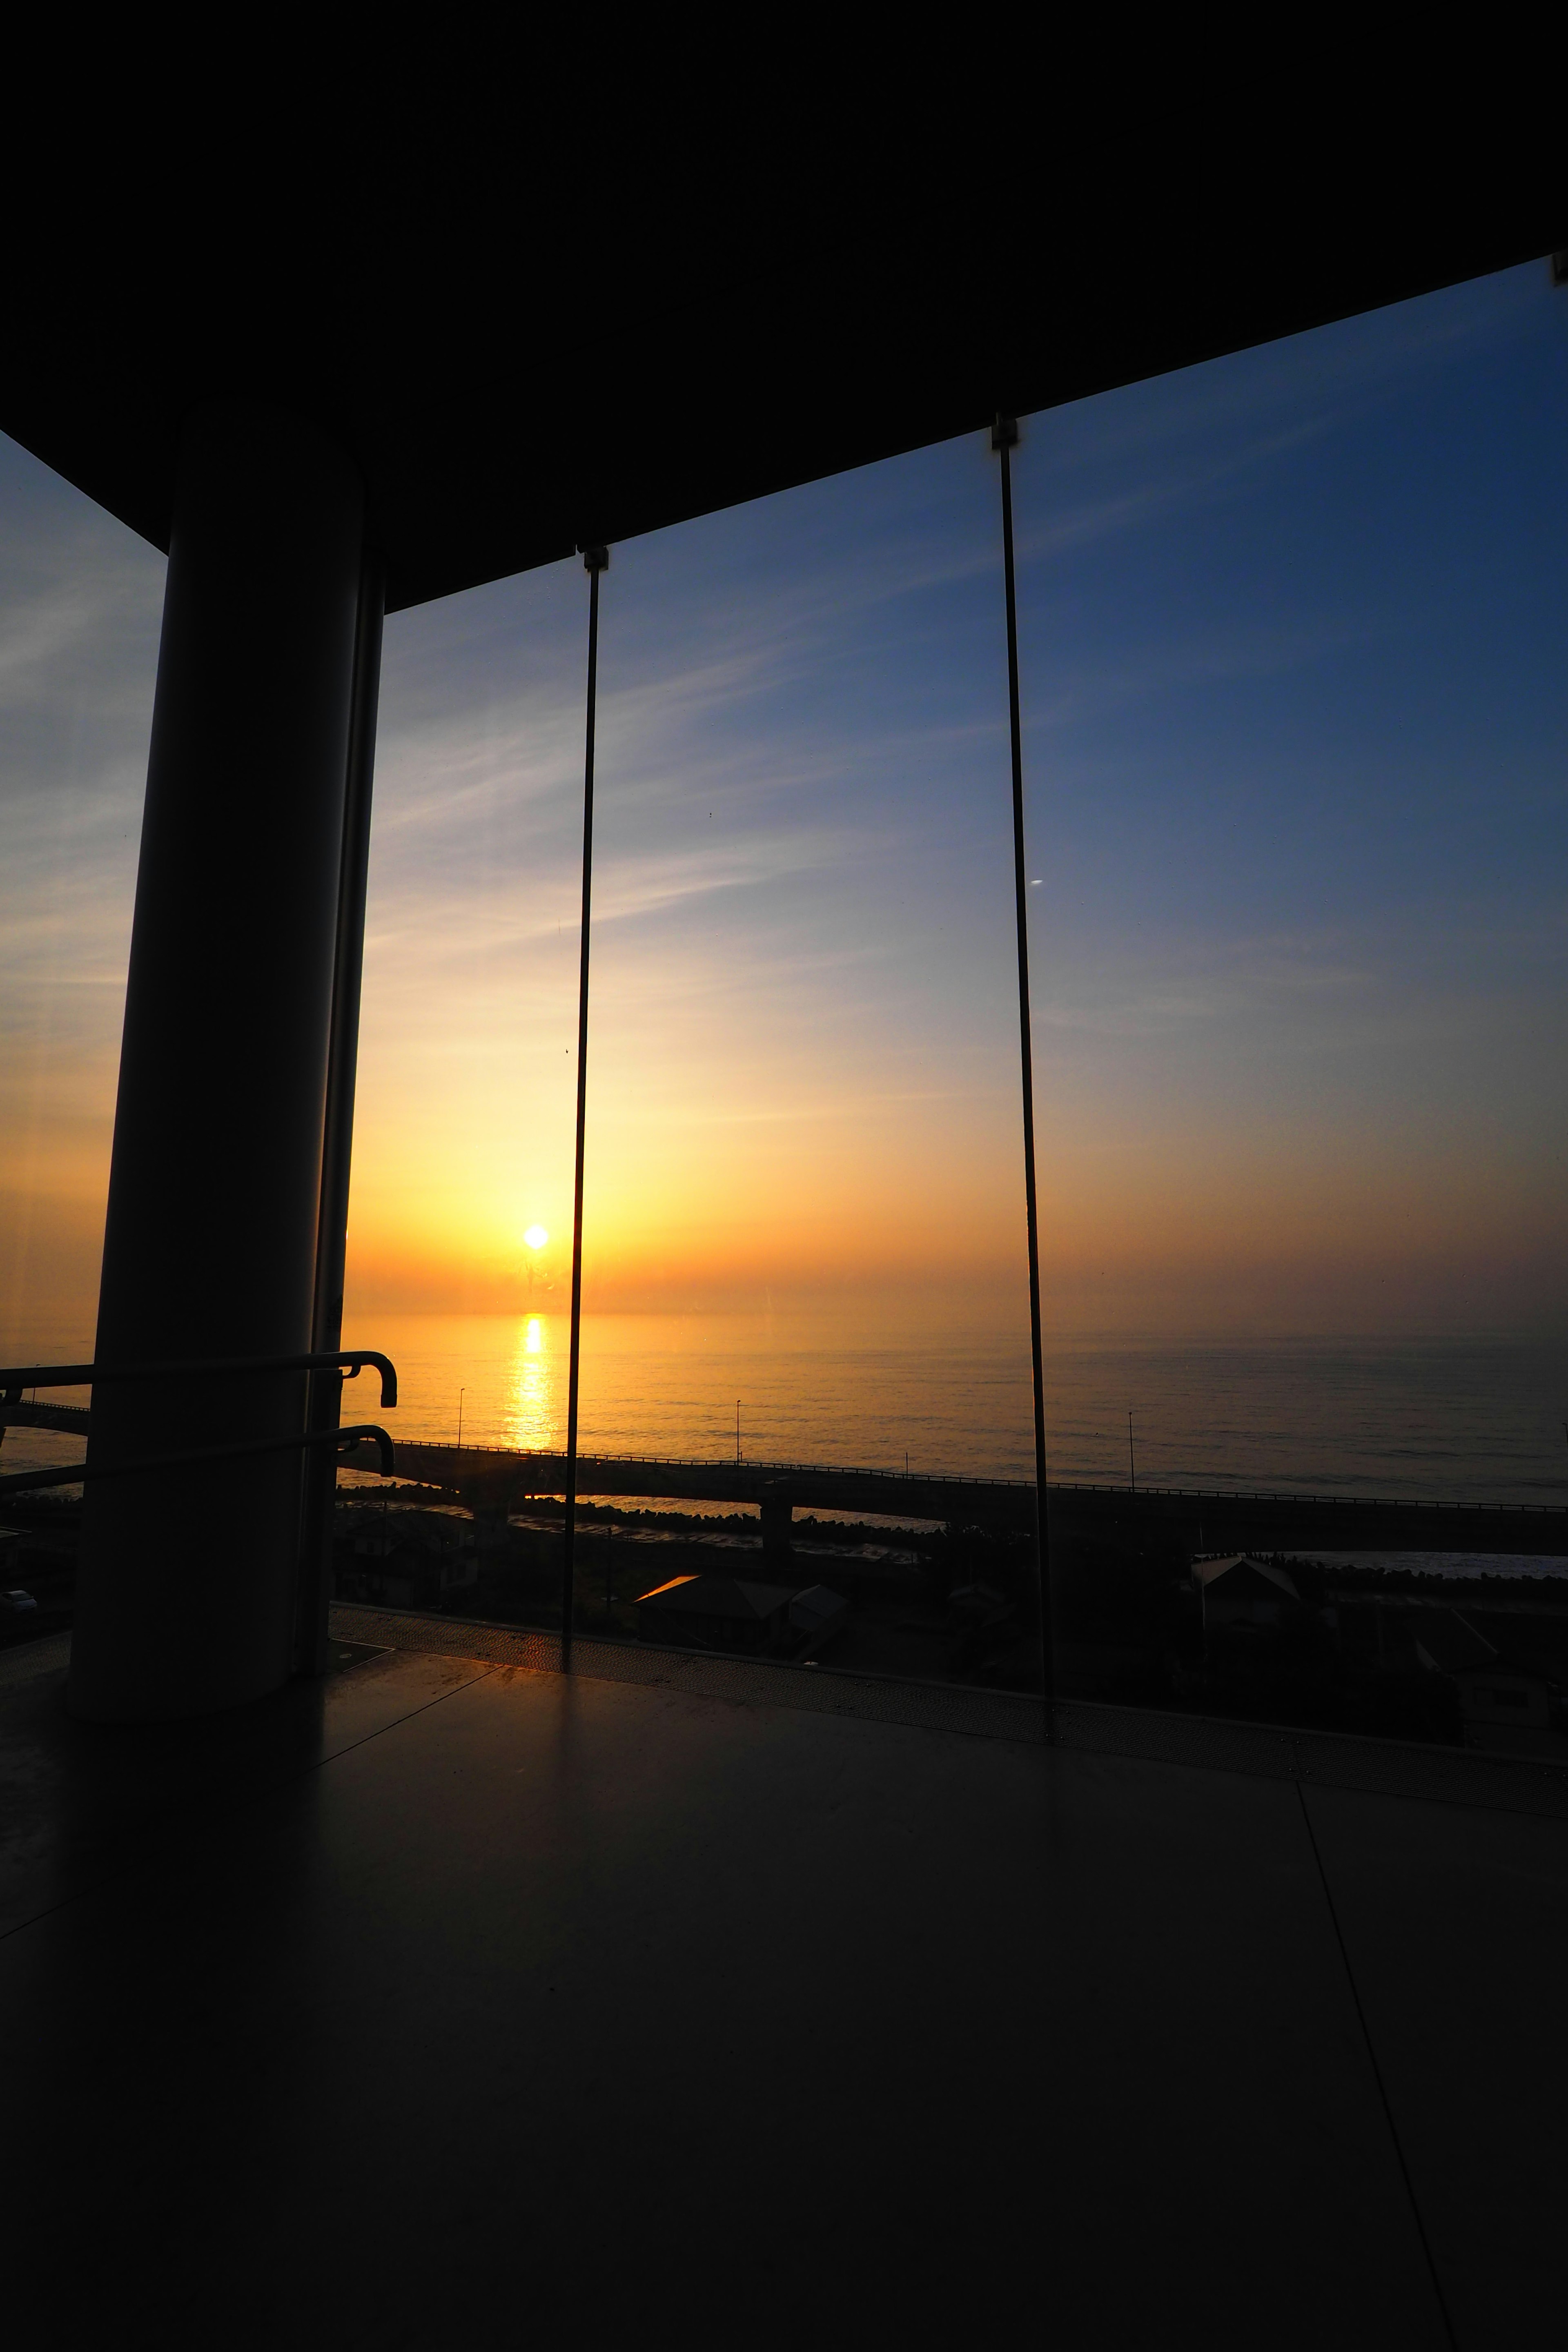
(185, 1589)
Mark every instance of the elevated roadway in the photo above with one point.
(1191, 1518)
(46, 1416)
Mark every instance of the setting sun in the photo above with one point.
(536, 1237)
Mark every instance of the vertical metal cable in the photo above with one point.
(1004, 440)
(595, 561)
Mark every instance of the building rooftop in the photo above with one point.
(1209, 1572)
(1449, 1643)
(719, 1596)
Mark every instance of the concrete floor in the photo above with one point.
(449, 2003)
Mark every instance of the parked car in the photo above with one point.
(17, 1603)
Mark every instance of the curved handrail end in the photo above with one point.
(367, 1433)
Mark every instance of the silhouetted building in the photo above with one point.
(1243, 1592)
(716, 1613)
(1448, 1643)
(816, 1614)
(1504, 1704)
(408, 1559)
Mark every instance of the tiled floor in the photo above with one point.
(454, 2003)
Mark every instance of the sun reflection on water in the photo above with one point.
(531, 1416)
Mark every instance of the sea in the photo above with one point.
(1435, 1419)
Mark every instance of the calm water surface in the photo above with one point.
(1461, 1419)
(1454, 1421)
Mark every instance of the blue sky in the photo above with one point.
(1296, 769)
(1298, 756)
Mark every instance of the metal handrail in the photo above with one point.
(345, 1439)
(77, 1376)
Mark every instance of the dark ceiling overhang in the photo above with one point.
(521, 364)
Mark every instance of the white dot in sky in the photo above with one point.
(536, 1237)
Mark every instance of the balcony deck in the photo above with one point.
(454, 2000)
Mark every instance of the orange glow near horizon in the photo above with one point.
(1293, 800)
(1292, 1226)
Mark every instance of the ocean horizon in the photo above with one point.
(1441, 1420)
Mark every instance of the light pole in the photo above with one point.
(461, 1394)
(737, 1433)
(1131, 1464)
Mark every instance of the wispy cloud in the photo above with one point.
(1234, 632)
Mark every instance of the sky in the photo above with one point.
(1297, 779)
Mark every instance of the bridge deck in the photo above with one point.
(1199, 1519)
(46, 1416)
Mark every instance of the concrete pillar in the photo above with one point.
(185, 1592)
(776, 1513)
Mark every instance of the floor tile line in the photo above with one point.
(1371, 2048)
(256, 1797)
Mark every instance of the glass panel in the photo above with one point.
(804, 1196)
(1289, 625)
(804, 1174)
(1291, 628)
(460, 1218)
(79, 605)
